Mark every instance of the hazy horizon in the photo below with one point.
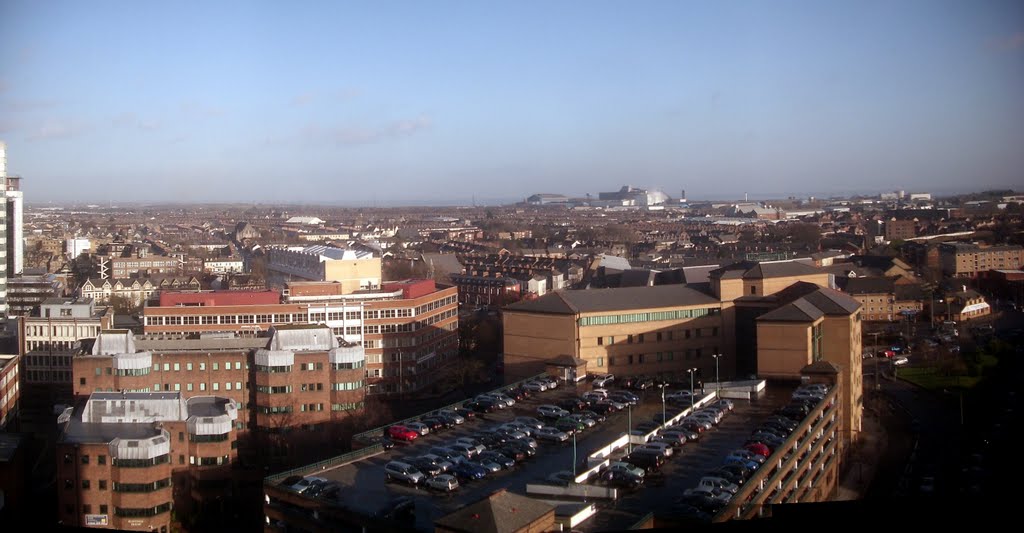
(418, 104)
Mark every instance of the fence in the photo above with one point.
(339, 460)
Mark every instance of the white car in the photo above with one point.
(552, 434)
(718, 483)
(602, 392)
(472, 444)
(444, 482)
(551, 411)
(900, 361)
(603, 380)
(662, 448)
(305, 483)
(418, 427)
(534, 386)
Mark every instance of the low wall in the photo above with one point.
(742, 390)
(573, 490)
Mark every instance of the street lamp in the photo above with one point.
(629, 426)
(718, 387)
(691, 372)
(663, 419)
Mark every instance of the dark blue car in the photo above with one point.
(467, 470)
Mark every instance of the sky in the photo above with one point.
(442, 102)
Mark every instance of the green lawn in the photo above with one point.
(932, 378)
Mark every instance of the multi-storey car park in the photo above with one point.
(802, 467)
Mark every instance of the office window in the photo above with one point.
(202, 386)
(81, 381)
(188, 387)
(98, 372)
(216, 366)
(103, 508)
(85, 459)
(85, 484)
(686, 334)
(216, 386)
(167, 367)
(657, 336)
(238, 385)
(101, 459)
(177, 367)
(600, 341)
(188, 366)
(629, 339)
(227, 385)
(630, 358)
(640, 359)
(202, 366)
(641, 338)
(238, 365)
(600, 362)
(177, 387)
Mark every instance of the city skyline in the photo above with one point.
(351, 105)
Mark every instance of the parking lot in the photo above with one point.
(368, 492)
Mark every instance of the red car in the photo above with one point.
(759, 449)
(402, 433)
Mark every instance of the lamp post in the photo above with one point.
(574, 455)
(663, 419)
(718, 387)
(691, 372)
(629, 427)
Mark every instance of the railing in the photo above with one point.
(339, 460)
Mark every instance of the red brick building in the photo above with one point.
(126, 460)
(408, 329)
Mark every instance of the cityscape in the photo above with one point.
(475, 278)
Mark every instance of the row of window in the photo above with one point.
(142, 487)
(659, 336)
(348, 385)
(652, 357)
(630, 318)
(48, 361)
(130, 512)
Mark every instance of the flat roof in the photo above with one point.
(618, 299)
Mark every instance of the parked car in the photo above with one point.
(529, 421)
(551, 411)
(402, 433)
(463, 451)
(737, 470)
(724, 404)
(468, 470)
(517, 446)
(700, 421)
(614, 404)
(602, 408)
(622, 466)
(464, 412)
(452, 415)
(689, 434)
(708, 505)
(401, 471)
(570, 422)
(690, 512)
(715, 494)
(587, 422)
(662, 448)
(718, 483)
(599, 418)
(534, 386)
(624, 396)
(624, 480)
(901, 360)
(442, 462)
(472, 443)
(563, 478)
(573, 404)
(759, 448)
(675, 440)
(443, 453)
(303, 484)
(551, 434)
(742, 461)
(428, 467)
(443, 482)
(646, 460)
(603, 380)
(491, 466)
(499, 458)
(590, 397)
(692, 426)
(749, 455)
(729, 475)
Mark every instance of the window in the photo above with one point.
(85, 459)
(81, 381)
(85, 484)
(600, 362)
(103, 484)
(640, 359)
(202, 386)
(686, 334)
(753, 290)
(177, 367)
(86, 508)
(630, 358)
(600, 341)
(101, 459)
(103, 508)
(188, 366)
(216, 366)
(629, 339)
(657, 336)
(640, 339)
(202, 366)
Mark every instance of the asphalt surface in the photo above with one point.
(681, 472)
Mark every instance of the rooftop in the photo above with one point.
(620, 299)
(501, 512)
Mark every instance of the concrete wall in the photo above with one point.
(355, 274)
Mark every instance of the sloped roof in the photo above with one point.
(566, 360)
(501, 512)
(761, 270)
(797, 311)
(569, 302)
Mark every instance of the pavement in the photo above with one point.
(863, 459)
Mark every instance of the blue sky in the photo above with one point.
(385, 103)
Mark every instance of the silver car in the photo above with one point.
(444, 482)
(550, 433)
(418, 427)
